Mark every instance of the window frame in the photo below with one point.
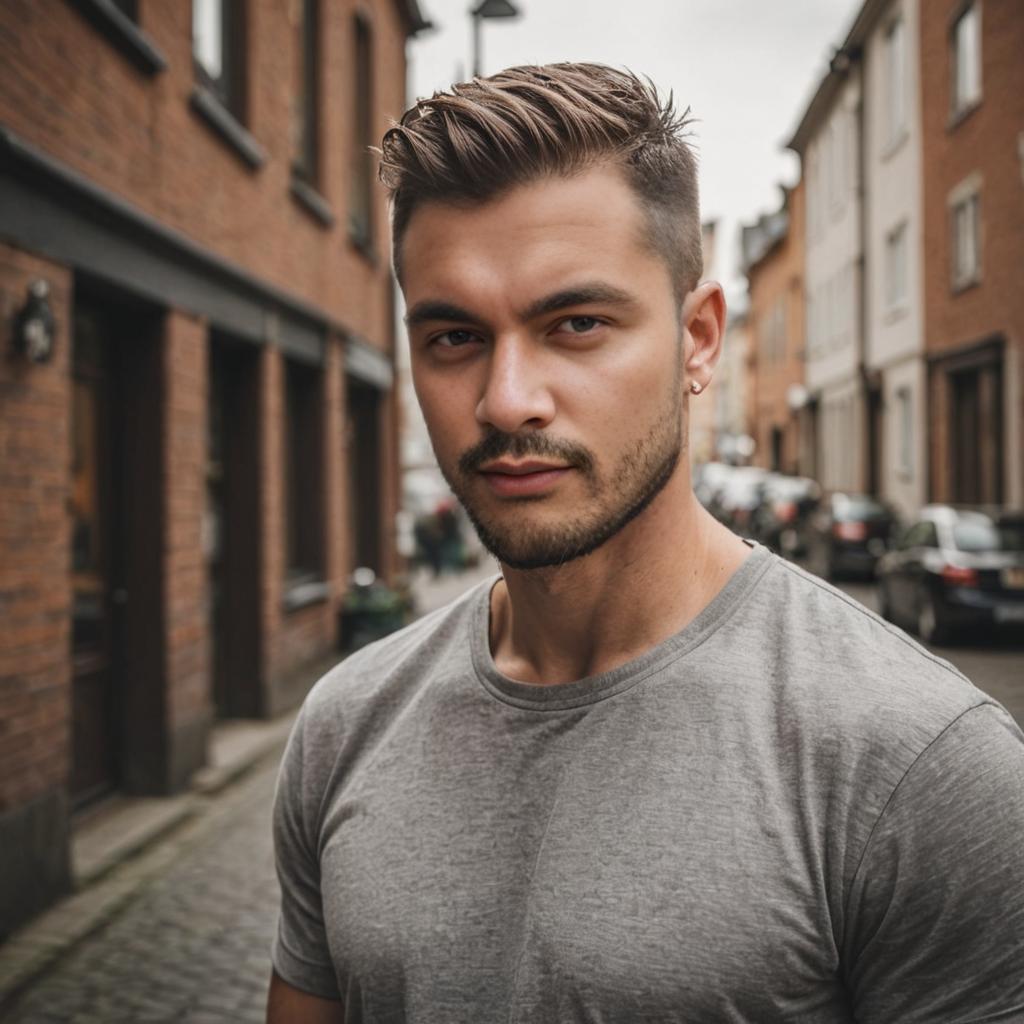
(307, 148)
(896, 268)
(361, 191)
(961, 105)
(229, 87)
(895, 78)
(965, 196)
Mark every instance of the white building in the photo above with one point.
(828, 140)
(894, 233)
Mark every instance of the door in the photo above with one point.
(231, 538)
(96, 573)
(977, 444)
(364, 453)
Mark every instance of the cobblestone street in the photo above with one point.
(194, 944)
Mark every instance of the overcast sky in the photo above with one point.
(747, 68)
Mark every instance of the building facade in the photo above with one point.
(773, 257)
(829, 142)
(972, 89)
(196, 355)
(894, 236)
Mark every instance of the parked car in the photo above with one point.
(955, 569)
(708, 480)
(847, 534)
(740, 497)
(786, 504)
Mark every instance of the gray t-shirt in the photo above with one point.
(788, 811)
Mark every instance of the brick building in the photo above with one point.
(187, 209)
(972, 98)
(773, 261)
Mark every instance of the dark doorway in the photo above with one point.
(231, 539)
(977, 429)
(876, 434)
(364, 451)
(116, 513)
(97, 571)
(776, 449)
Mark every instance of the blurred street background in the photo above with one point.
(214, 480)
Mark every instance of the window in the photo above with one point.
(905, 421)
(895, 82)
(303, 478)
(966, 46)
(896, 268)
(307, 92)
(218, 52)
(361, 209)
(966, 247)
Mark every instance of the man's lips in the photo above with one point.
(521, 468)
(517, 479)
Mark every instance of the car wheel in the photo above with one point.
(930, 627)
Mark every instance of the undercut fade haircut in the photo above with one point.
(486, 136)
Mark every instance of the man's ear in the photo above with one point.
(703, 322)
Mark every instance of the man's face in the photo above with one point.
(547, 355)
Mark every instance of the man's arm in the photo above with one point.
(935, 927)
(289, 1005)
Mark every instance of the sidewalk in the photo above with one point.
(430, 593)
(116, 848)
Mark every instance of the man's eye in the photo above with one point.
(580, 324)
(454, 339)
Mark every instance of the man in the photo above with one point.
(650, 773)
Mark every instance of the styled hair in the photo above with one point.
(486, 136)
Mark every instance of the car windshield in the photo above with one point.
(980, 533)
(858, 509)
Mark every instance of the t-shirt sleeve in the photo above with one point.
(936, 909)
(300, 954)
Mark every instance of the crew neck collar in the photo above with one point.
(590, 690)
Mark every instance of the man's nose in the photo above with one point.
(516, 393)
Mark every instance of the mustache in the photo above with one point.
(519, 446)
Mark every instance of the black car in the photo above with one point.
(848, 534)
(786, 504)
(954, 570)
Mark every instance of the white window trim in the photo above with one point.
(896, 128)
(957, 109)
(969, 188)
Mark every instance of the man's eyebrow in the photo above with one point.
(579, 295)
(432, 309)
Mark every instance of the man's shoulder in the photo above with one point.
(383, 670)
(849, 661)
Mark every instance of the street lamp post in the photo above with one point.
(488, 9)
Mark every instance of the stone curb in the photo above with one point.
(121, 850)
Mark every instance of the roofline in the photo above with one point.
(416, 21)
(846, 54)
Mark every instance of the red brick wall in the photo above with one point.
(185, 580)
(35, 558)
(987, 140)
(780, 273)
(65, 88)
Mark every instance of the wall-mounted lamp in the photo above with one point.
(35, 329)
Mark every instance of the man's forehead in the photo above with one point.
(533, 238)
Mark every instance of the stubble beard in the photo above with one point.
(616, 498)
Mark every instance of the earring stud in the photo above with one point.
(695, 387)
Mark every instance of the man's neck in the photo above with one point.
(595, 613)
